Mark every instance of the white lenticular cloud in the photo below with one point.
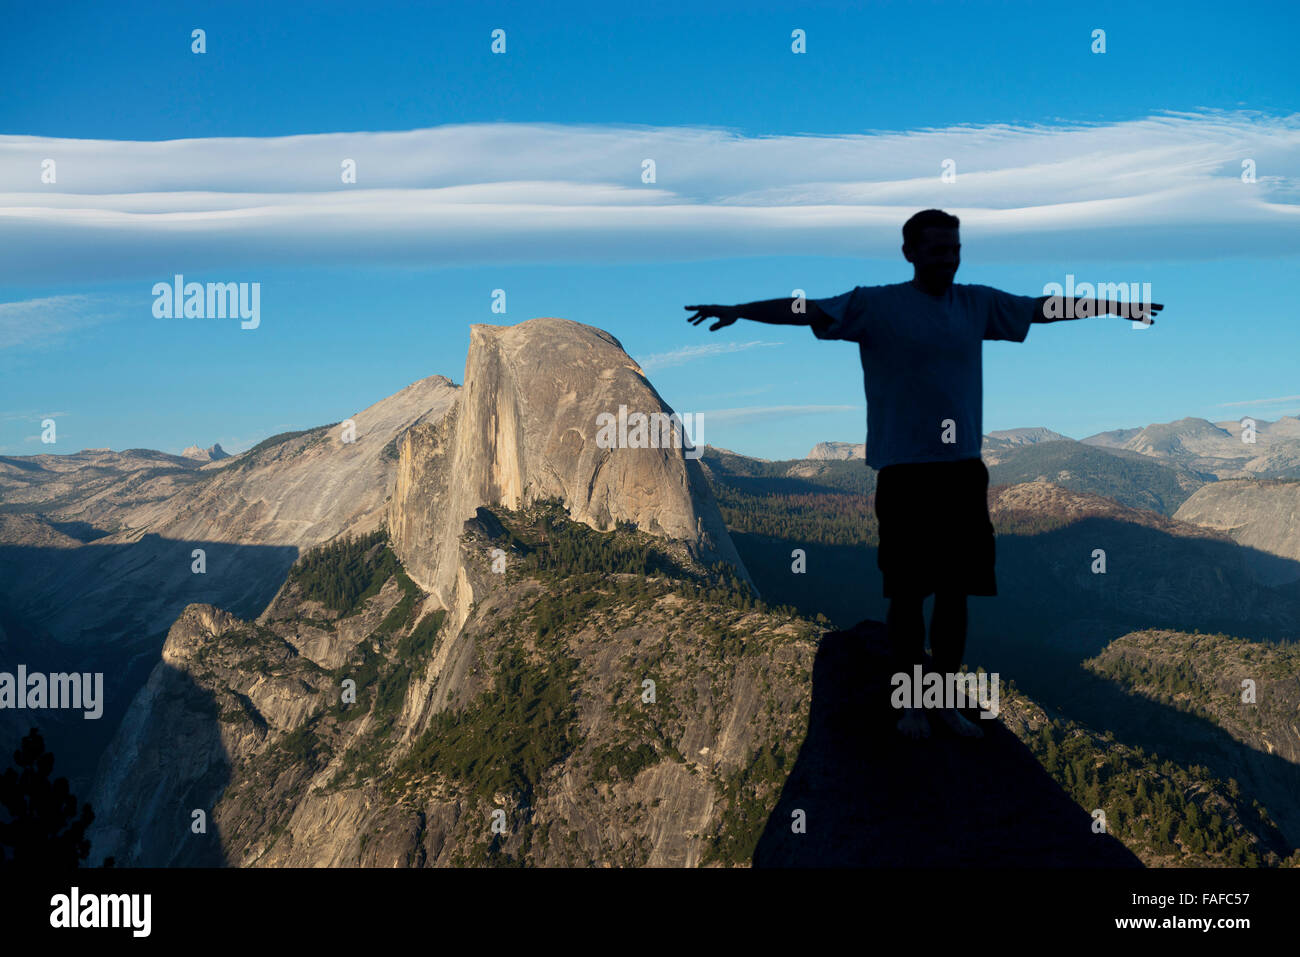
(677, 357)
(517, 192)
(766, 413)
(1278, 401)
(45, 321)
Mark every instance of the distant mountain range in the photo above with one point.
(1221, 449)
(1196, 470)
(994, 441)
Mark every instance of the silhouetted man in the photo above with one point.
(921, 344)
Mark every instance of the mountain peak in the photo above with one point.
(213, 454)
(524, 429)
(838, 451)
(1025, 436)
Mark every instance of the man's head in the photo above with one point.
(932, 245)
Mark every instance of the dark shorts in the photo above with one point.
(935, 533)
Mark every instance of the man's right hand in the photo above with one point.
(725, 315)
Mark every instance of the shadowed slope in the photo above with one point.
(875, 800)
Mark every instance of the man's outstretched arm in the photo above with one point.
(777, 312)
(1059, 308)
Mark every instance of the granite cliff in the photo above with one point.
(1260, 514)
(524, 429)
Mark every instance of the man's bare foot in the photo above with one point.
(914, 725)
(958, 723)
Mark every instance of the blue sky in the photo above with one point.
(522, 171)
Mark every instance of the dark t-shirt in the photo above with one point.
(922, 363)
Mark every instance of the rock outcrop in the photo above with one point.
(524, 429)
(1265, 516)
(885, 802)
(838, 451)
(214, 454)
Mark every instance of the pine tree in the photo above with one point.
(43, 829)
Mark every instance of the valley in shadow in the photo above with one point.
(107, 608)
